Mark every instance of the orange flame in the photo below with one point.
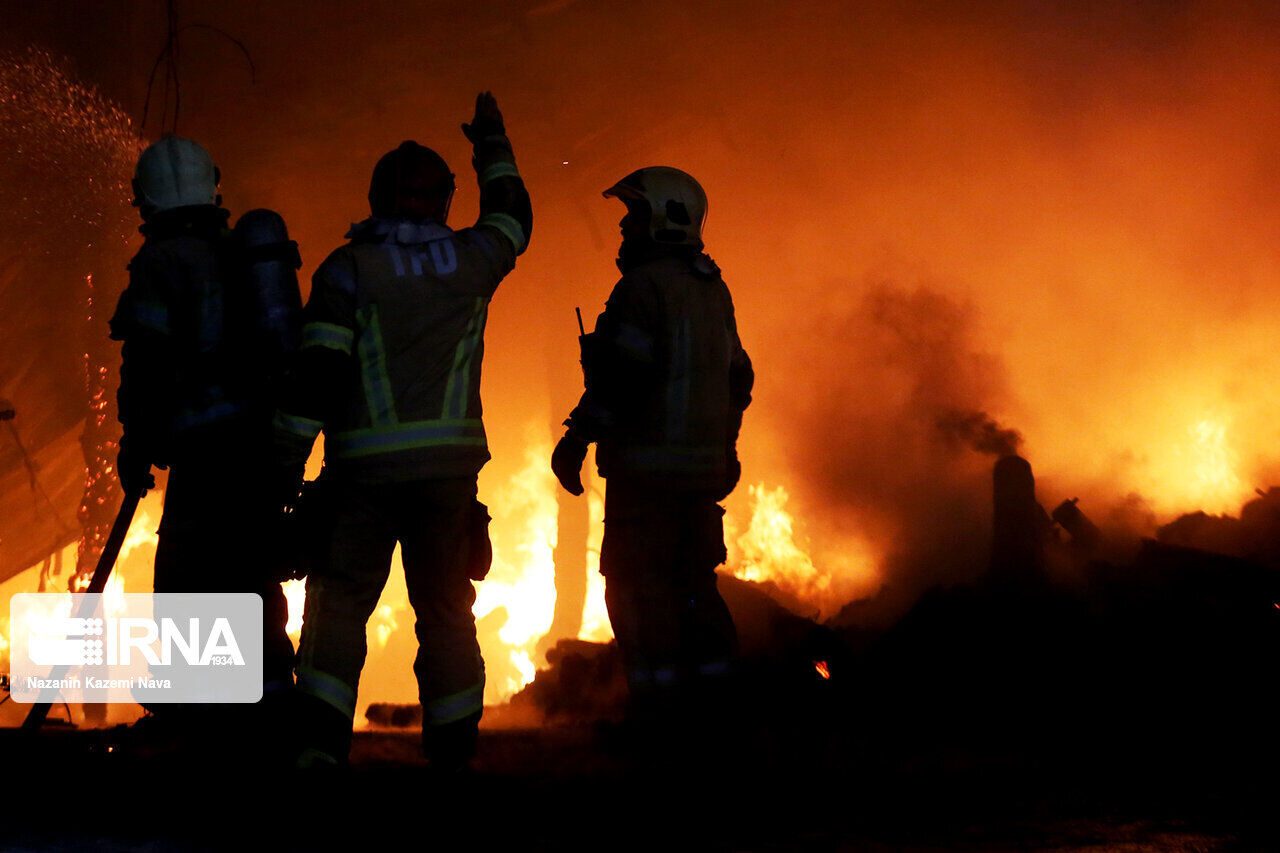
(768, 551)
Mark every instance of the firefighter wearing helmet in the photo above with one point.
(392, 343)
(191, 399)
(667, 381)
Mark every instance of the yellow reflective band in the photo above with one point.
(501, 169)
(328, 335)
(329, 689)
(373, 369)
(406, 436)
(450, 709)
(457, 393)
(509, 227)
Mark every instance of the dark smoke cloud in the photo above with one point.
(980, 432)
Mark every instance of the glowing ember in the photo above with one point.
(820, 666)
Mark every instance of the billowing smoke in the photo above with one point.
(895, 445)
(977, 430)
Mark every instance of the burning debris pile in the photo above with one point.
(1055, 633)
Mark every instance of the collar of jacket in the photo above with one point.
(399, 231)
(196, 220)
(646, 253)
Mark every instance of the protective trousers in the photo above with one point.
(220, 533)
(428, 518)
(659, 556)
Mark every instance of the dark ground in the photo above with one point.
(815, 781)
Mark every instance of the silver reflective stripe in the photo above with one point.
(394, 251)
(366, 442)
(457, 392)
(328, 688)
(296, 425)
(500, 169)
(450, 709)
(416, 261)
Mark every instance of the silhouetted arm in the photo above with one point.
(505, 208)
(146, 397)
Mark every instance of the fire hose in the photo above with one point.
(110, 551)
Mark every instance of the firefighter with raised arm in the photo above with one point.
(667, 381)
(204, 329)
(393, 338)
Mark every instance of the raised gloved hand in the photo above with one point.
(133, 467)
(487, 120)
(566, 463)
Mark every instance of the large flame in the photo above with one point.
(1201, 469)
(768, 551)
(515, 603)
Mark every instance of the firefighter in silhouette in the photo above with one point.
(393, 338)
(667, 381)
(203, 337)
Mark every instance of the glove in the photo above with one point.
(133, 467)
(487, 121)
(566, 463)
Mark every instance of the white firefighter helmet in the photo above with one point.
(677, 203)
(174, 172)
